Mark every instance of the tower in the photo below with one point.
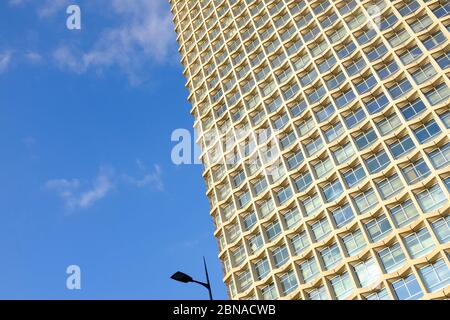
(324, 126)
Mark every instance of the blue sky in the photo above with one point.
(86, 178)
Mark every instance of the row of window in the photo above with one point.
(418, 243)
(434, 276)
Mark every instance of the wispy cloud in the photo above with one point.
(50, 7)
(5, 60)
(78, 195)
(146, 177)
(33, 57)
(139, 34)
(143, 34)
(17, 2)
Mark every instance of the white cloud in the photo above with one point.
(50, 7)
(5, 61)
(16, 2)
(76, 197)
(146, 178)
(79, 194)
(143, 34)
(33, 57)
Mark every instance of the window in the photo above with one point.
(436, 275)
(366, 84)
(441, 228)
(255, 242)
(388, 187)
(353, 176)
(424, 73)
(325, 112)
(321, 229)
(269, 292)
(409, 7)
(365, 139)
(330, 256)
(378, 228)
(267, 207)
(399, 88)
(365, 201)
(431, 199)
(295, 160)
(377, 53)
(239, 178)
(401, 146)
(404, 213)
(273, 230)
(347, 50)
(345, 98)
(411, 55)
(332, 190)
(445, 117)
(354, 118)
(344, 153)
(442, 10)
(260, 186)
(288, 282)
(309, 269)
(284, 195)
(444, 60)
(303, 181)
(245, 280)
(300, 242)
(377, 104)
(342, 286)
(407, 288)
(323, 167)
(280, 256)
(427, 131)
(262, 268)
(244, 199)
(314, 146)
(318, 294)
(419, 243)
(311, 204)
(281, 121)
(334, 132)
(387, 22)
(379, 295)
(440, 157)
(306, 126)
(343, 215)
(392, 257)
(354, 242)
(387, 69)
(238, 256)
(249, 220)
(367, 272)
(416, 171)
(438, 94)
(388, 124)
(434, 40)
(377, 162)
(292, 217)
(335, 81)
(412, 109)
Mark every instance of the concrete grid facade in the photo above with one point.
(355, 97)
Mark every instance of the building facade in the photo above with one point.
(324, 127)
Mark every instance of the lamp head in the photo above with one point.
(181, 277)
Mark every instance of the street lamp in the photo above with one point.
(184, 278)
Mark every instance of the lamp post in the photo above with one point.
(183, 277)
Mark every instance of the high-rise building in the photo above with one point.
(324, 127)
